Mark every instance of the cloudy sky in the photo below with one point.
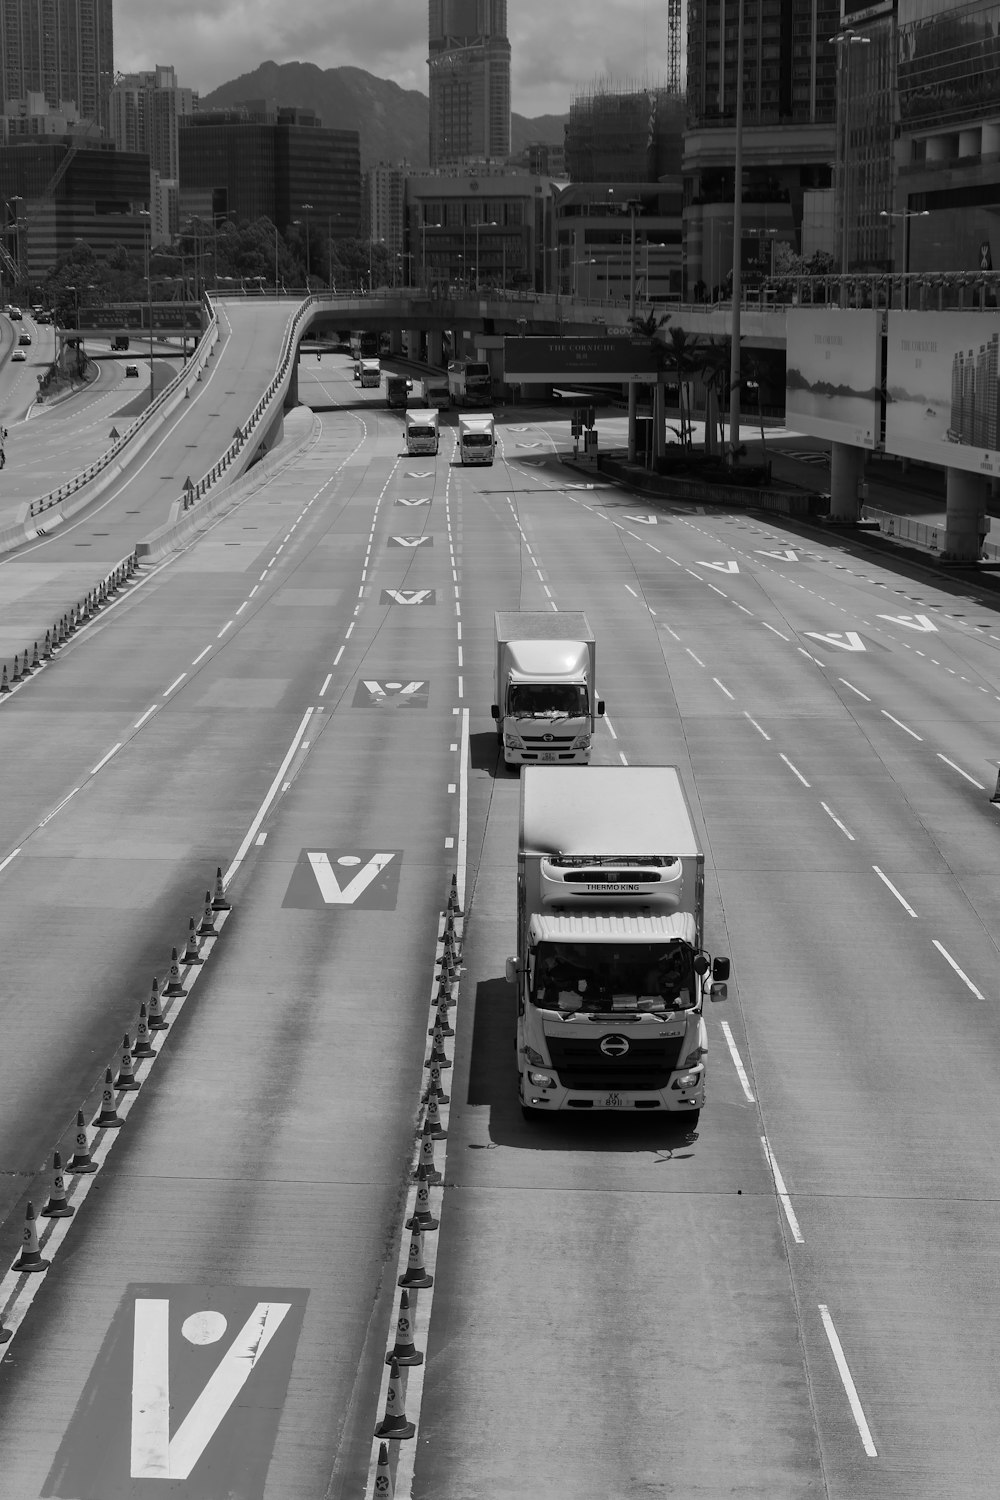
(557, 50)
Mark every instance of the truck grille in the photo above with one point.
(647, 1064)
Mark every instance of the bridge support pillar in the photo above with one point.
(847, 467)
(633, 425)
(411, 344)
(292, 393)
(435, 348)
(659, 420)
(395, 341)
(966, 521)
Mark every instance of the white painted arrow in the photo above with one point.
(529, 445)
(410, 541)
(724, 567)
(922, 623)
(333, 893)
(643, 520)
(423, 473)
(785, 553)
(849, 641)
(424, 501)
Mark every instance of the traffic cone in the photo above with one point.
(191, 954)
(156, 1021)
(174, 986)
(143, 1046)
(422, 1218)
(64, 630)
(444, 995)
(71, 620)
(384, 1489)
(30, 1258)
(437, 1057)
(4, 684)
(8, 1333)
(394, 1423)
(432, 1119)
(26, 669)
(35, 663)
(207, 928)
(434, 1089)
(80, 1162)
(109, 1118)
(404, 1351)
(57, 1206)
(996, 794)
(453, 905)
(441, 1018)
(219, 902)
(426, 1171)
(126, 1080)
(415, 1274)
(47, 647)
(446, 951)
(15, 676)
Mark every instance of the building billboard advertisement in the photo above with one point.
(586, 360)
(943, 397)
(832, 374)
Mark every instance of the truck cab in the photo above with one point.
(476, 439)
(545, 696)
(422, 434)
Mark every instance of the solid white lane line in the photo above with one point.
(139, 722)
(326, 684)
(756, 725)
(693, 657)
(272, 792)
(339, 654)
(960, 972)
(775, 632)
(105, 758)
(11, 856)
(857, 1410)
(900, 898)
(782, 1192)
(201, 655)
(842, 826)
(901, 725)
(723, 688)
(734, 1053)
(854, 689)
(951, 763)
(794, 769)
(176, 683)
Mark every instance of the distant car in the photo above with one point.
(24, 339)
(15, 315)
(132, 370)
(19, 355)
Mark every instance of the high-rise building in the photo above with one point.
(382, 219)
(624, 135)
(63, 49)
(469, 81)
(145, 113)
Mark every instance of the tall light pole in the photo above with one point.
(734, 352)
(307, 209)
(144, 213)
(423, 247)
(844, 41)
(491, 225)
(906, 214)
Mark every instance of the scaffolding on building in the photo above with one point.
(624, 131)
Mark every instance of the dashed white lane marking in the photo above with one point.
(775, 631)
(843, 1369)
(176, 683)
(349, 629)
(223, 630)
(794, 769)
(899, 723)
(621, 757)
(611, 727)
(11, 856)
(632, 591)
(960, 972)
(854, 689)
(243, 606)
(842, 826)
(756, 725)
(326, 684)
(261, 839)
(898, 895)
(722, 688)
(693, 657)
(339, 654)
(105, 758)
(782, 1192)
(734, 1053)
(969, 778)
(151, 710)
(201, 656)
(253, 590)
(269, 796)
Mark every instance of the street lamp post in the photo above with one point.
(491, 225)
(423, 248)
(307, 209)
(906, 214)
(734, 351)
(145, 215)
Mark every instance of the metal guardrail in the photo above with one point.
(920, 533)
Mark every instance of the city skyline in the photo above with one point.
(550, 62)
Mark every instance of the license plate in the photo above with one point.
(547, 755)
(615, 1101)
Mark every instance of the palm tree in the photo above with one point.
(684, 356)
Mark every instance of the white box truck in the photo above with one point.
(477, 439)
(422, 434)
(371, 374)
(611, 972)
(435, 391)
(545, 696)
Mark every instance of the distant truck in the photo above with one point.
(545, 698)
(422, 434)
(476, 439)
(396, 390)
(120, 343)
(610, 970)
(434, 391)
(371, 374)
(469, 382)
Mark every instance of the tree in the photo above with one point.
(684, 357)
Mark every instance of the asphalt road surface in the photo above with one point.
(795, 1300)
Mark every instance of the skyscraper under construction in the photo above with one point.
(469, 81)
(63, 49)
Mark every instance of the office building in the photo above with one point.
(789, 127)
(62, 49)
(383, 212)
(145, 114)
(469, 81)
(593, 239)
(73, 191)
(490, 230)
(248, 162)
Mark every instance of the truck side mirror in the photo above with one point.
(511, 970)
(495, 711)
(701, 964)
(600, 708)
(720, 970)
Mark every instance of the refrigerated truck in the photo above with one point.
(371, 374)
(476, 439)
(545, 702)
(422, 432)
(611, 971)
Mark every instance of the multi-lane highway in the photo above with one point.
(796, 1300)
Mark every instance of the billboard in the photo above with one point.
(832, 374)
(598, 359)
(943, 393)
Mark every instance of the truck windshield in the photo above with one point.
(547, 700)
(476, 439)
(572, 977)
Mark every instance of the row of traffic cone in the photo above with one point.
(394, 1424)
(31, 661)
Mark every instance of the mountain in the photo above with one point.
(392, 122)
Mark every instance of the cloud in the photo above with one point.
(554, 53)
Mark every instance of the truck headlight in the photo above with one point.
(541, 1080)
(582, 742)
(689, 1080)
(513, 742)
(694, 1057)
(535, 1058)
